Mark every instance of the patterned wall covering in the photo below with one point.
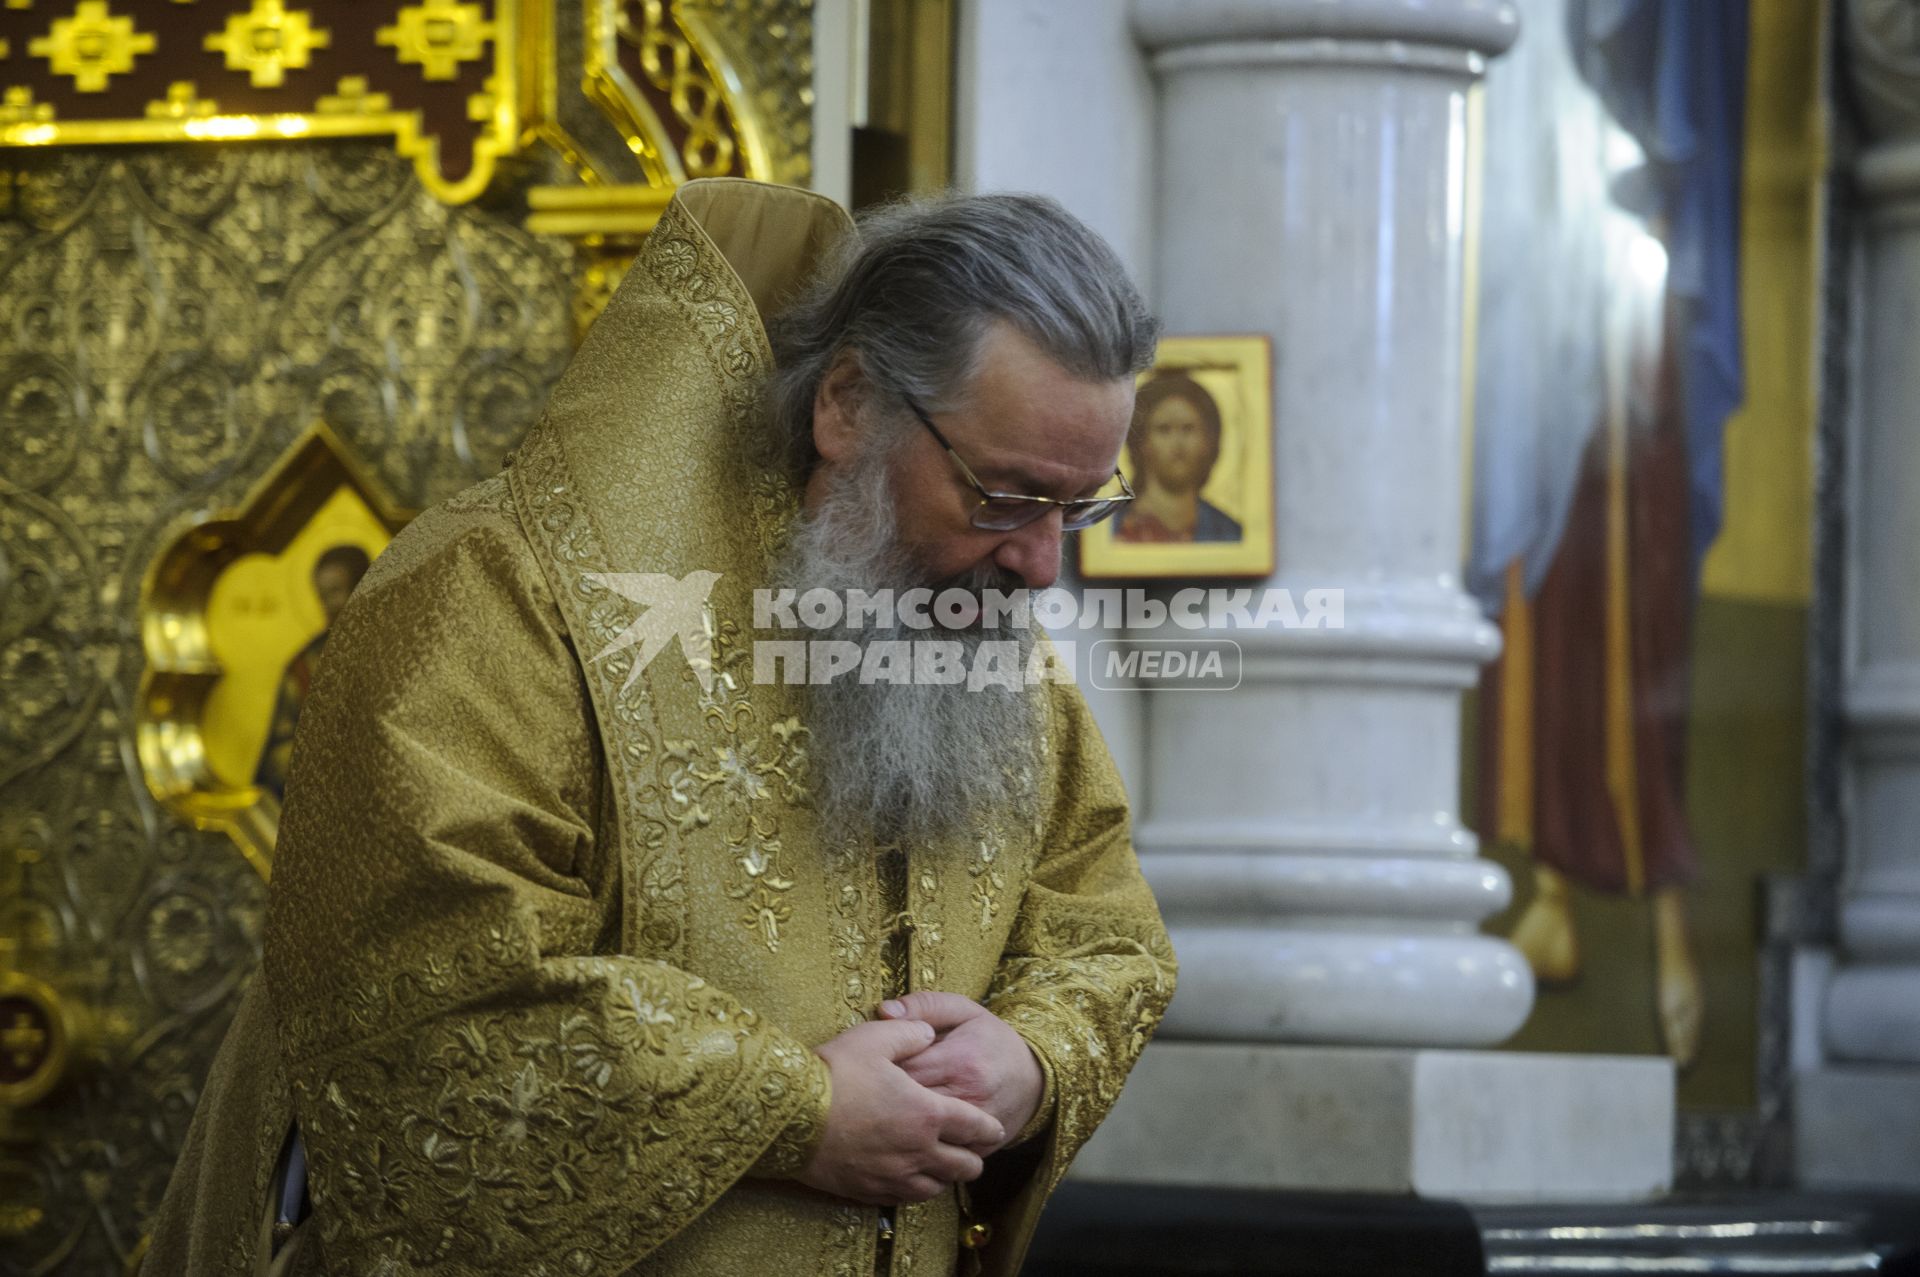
(170, 321)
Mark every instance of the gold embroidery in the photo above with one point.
(765, 909)
(484, 1102)
(656, 780)
(748, 780)
(1087, 975)
(988, 881)
(793, 1148)
(531, 1114)
(854, 1231)
(474, 1095)
(851, 875)
(926, 932)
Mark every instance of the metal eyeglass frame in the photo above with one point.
(1103, 507)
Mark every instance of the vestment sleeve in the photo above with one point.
(1088, 969)
(484, 1084)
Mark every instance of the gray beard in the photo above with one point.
(908, 763)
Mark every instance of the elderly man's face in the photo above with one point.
(1028, 426)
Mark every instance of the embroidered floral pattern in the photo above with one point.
(791, 1150)
(988, 881)
(927, 935)
(490, 1101)
(851, 875)
(650, 776)
(1088, 972)
(478, 1144)
(761, 889)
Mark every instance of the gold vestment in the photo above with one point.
(547, 951)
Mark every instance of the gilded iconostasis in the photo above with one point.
(273, 276)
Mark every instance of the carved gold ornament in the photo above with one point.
(267, 41)
(18, 107)
(92, 45)
(36, 1030)
(214, 592)
(183, 102)
(482, 105)
(438, 35)
(607, 225)
(352, 97)
(636, 52)
(671, 65)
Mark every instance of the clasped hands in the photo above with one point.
(921, 1097)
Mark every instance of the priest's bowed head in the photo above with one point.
(590, 957)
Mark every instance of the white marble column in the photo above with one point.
(1302, 832)
(1858, 1107)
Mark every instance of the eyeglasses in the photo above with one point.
(1006, 511)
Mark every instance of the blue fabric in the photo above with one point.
(1214, 524)
(1674, 74)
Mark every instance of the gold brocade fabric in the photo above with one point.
(547, 952)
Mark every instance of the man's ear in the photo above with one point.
(836, 408)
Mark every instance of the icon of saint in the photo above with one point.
(1174, 444)
(334, 576)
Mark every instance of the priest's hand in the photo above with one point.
(978, 1057)
(889, 1139)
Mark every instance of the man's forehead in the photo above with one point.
(1039, 462)
(1030, 420)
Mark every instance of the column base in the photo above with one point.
(1471, 1125)
(1857, 1126)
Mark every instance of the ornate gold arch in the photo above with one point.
(179, 718)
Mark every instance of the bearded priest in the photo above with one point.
(594, 949)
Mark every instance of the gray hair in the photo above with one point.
(916, 290)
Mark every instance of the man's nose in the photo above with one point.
(1033, 552)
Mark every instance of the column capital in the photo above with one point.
(1481, 26)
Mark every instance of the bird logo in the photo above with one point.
(674, 606)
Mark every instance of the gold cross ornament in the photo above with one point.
(269, 40)
(438, 35)
(92, 45)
